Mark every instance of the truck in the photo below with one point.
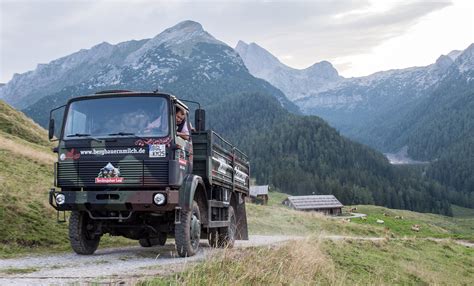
(123, 169)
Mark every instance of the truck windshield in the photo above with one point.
(117, 116)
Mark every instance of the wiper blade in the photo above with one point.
(78, 135)
(83, 135)
(122, 134)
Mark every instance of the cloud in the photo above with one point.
(35, 32)
(328, 37)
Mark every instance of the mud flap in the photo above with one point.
(241, 215)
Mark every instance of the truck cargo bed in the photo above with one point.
(220, 163)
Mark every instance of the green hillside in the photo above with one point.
(27, 222)
(304, 155)
(16, 124)
(26, 174)
(439, 129)
(278, 219)
(444, 134)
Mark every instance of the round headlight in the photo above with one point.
(60, 199)
(159, 199)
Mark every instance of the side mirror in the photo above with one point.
(51, 129)
(200, 119)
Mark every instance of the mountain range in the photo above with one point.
(183, 53)
(361, 108)
(425, 111)
(296, 84)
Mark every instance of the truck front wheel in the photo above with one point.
(81, 233)
(188, 232)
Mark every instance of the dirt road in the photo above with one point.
(126, 265)
(112, 266)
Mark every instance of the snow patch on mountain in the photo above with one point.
(180, 38)
(149, 61)
(320, 85)
(28, 87)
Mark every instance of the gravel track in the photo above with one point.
(127, 265)
(111, 266)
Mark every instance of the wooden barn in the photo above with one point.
(327, 204)
(259, 194)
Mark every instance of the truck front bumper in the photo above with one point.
(112, 200)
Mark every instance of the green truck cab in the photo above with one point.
(123, 169)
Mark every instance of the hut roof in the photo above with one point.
(258, 190)
(315, 202)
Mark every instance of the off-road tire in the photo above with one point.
(161, 239)
(227, 234)
(79, 237)
(224, 237)
(213, 237)
(152, 241)
(145, 242)
(186, 244)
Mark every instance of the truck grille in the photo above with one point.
(134, 173)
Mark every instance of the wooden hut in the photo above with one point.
(327, 204)
(259, 194)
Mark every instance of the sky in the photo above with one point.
(357, 37)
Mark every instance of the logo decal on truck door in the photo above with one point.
(223, 166)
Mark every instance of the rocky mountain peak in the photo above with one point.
(468, 52)
(454, 54)
(256, 58)
(295, 83)
(324, 70)
(187, 25)
(241, 45)
(465, 60)
(181, 38)
(184, 32)
(444, 62)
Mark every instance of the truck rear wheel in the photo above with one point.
(81, 234)
(213, 237)
(224, 237)
(188, 232)
(152, 241)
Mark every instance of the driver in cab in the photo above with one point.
(181, 125)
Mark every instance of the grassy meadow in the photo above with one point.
(401, 257)
(274, 218)
(315, 261)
